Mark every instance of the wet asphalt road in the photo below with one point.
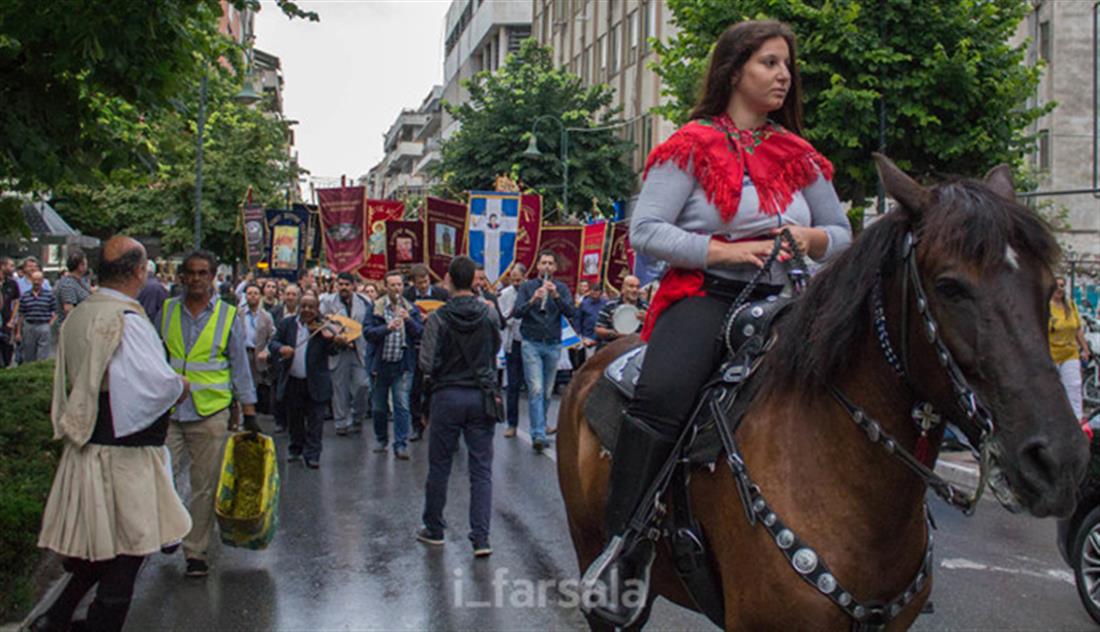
(345, 558)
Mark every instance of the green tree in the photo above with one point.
(497, 124)
(68, 68)
(953, 89)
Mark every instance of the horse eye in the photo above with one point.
(952, 289)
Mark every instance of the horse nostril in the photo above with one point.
(1038, 462)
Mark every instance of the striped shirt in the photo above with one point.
(37, 309)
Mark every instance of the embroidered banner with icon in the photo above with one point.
(565, 242)
(592, 243)
(494, 218)
(288, 244)
(446, 222)
(620, 257)
(255, 233)
(528, 231)
(404, 244)
(378, 213)
(343, 226)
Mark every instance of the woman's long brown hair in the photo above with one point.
(734, 48)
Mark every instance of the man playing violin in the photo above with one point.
(303, 346)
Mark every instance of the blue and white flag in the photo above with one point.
(492, 234)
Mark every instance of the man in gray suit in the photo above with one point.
(350, 380)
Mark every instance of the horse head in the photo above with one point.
(984, 270)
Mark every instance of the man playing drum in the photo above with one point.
(624, 315)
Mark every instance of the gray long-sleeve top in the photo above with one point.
(673, 221)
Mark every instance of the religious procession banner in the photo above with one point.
(343, 226)
(404, 244)
(446, 223)
(620, 257)
(255, 233)
(592, 242)
(565, 241)
(288, 241)
(491, 230)
(528, 231)
(378, 213)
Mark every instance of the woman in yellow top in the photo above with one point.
(1067, 343)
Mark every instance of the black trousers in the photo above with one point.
(306, 420)
(418, 408)
(684, 351)
(116, 579)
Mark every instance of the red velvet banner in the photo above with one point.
(565, 241)
(620, 258)
(404, 244)
(528, 231)
(446, 223)
(592, 243)
(342, 223)
(378, 213)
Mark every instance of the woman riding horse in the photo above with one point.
(716, 194)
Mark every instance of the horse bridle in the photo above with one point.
(975, 413)
(804, 559)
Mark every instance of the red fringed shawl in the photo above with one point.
(779, 163)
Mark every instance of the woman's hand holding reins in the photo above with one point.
(811, 241)
(722, 254)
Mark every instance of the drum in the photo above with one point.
(625, 319)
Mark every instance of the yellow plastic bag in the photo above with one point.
(247, 502)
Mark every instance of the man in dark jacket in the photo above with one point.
(394, 334)
(540, 305)
(305, 386)
(458, 358)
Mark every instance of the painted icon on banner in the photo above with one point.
(285, 248)
(404, 249)
(492, 237)
(445, 240)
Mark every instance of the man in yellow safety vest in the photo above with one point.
(206, 344)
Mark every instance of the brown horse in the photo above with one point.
(985, 264)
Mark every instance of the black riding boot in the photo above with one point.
(616, 585)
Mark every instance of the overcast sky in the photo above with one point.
(349, 75)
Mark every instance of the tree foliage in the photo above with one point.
(954, 90)
(68, 70)
(243, 146)
(497, 123)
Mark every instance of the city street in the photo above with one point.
(345, 558)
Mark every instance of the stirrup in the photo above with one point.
(596, 594)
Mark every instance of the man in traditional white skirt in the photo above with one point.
(113, 501)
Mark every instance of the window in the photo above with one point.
(634, 35)
(651, 18)
(586, 63)
(615, 48)
(602, 45)
(1044, 41)
(1044, 150)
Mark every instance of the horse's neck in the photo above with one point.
(813, 448)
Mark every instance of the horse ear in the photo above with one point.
(907, 191)
(999, 180)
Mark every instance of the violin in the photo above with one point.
(346, 330)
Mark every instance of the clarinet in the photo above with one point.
(542, 306)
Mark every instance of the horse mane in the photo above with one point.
(824, 326)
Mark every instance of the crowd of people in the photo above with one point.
(175, 368)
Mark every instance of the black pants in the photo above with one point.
(513, 363)
(684, 351)
(306, 419)
(7, 352)
(417, 408)
(116, 579)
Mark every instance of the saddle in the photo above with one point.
(751, 335)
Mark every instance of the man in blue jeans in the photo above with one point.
(394, 331)
(540, 305)
(458, 360)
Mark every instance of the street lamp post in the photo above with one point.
(532, 150)
(198, 161)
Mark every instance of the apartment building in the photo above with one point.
(607, 41)
(1061, 35)
(411, 147)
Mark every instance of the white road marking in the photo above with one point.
(961, 563)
